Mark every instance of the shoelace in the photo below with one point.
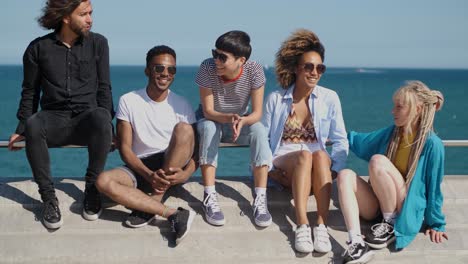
(303, 235)
(50, 209)
(350, 250)
(211, 201)
(381, 229)
(174, 221)
(260, 204)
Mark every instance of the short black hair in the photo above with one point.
(158, 50)
(236, 42)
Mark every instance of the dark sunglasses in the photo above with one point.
(220, 56)
(159, 68)
(309, 67)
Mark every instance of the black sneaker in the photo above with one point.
(382, 235)
(139, 219)
(51, 216)
(92, 203)
(181, 222)
(357, 253)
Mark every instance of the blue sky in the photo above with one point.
(397, 33)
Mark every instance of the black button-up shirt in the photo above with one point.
(65, 79)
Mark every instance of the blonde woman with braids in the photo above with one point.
(300, 118)
(406, 166)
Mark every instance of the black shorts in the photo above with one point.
(154, 163)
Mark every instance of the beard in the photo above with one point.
(79, 30)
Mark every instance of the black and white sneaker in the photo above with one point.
(357, 253)
(51, 216)
(138, 219)
(382, 235)
(181, 222)
(92, 203)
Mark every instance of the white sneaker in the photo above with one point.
(322, 242)
(303, 242)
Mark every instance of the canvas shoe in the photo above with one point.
(138, 219)
(357, 253)
(92, 208)
(181, 222)
(382, 235)
(51, 216)
(303, 242)
(260, 210)
(213, 213)
(322, 242)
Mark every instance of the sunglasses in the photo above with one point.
(309, 67)
(220, 56)
(159, 68)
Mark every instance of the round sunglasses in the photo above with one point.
(159, 68)
(309, 67)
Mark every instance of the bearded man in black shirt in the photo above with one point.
(66, 72)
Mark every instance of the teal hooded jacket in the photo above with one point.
(423, 202)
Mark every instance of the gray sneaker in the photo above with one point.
(213, 213)
(260, 211)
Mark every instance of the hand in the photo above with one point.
(176, 176)
(114, 144)
(236, 128)
(280, 176)
(159, 182)
(14, 138)
(436, 236)
(334, 174)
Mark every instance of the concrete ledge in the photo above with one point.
(23, 239)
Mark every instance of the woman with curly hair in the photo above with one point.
(406, 166)
(300, 118)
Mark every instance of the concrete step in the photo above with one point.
(23, 239)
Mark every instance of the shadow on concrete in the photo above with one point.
(242, 202)
(27, 202)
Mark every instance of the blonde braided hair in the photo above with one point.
(415, 94)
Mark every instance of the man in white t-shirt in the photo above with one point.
(156, 142)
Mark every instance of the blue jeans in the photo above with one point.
(211, 133)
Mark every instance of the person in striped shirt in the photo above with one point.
(227, 82)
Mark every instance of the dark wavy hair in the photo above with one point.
(291, 50)
(158, 50)
(54, 11)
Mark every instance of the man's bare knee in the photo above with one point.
(103, 181)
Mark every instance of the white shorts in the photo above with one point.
(291, 147)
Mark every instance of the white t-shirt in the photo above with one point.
(153, 122)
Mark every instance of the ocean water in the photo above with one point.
(365, 97)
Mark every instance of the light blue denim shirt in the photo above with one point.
(327, 117)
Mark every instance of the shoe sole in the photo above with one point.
(189, 224)
(303, 251)
(91, 217)
(383, 245)
(263, 224)
(319, 250)
(363, 259)
(127, 223)
(53, 225)
(213, 221)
